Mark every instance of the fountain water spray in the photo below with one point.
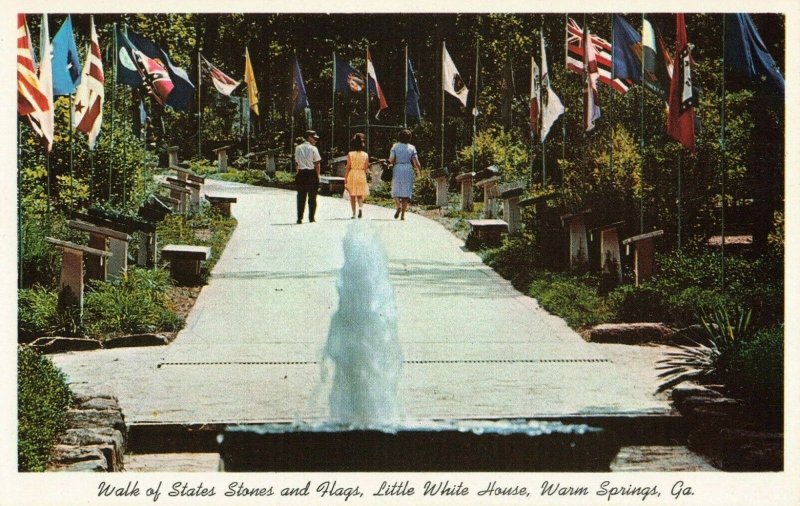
(362, 341)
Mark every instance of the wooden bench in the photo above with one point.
(105, 239)
(184, 261)
(644, 258)
(329, 185)
(221, 204)
(72, 279)
(222, 157)
(487, 231)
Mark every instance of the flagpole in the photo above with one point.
(199, 104)
(641, 140)
(544, 180)
(333, 106)
(611, 104)
(533, 133)
(442, 62)
(564, 121)
(475, 101)
(724, 163)
(113, 107)
(680, 204)
(405, 107)
(71, 145)
(366, 97)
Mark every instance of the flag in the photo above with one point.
(535, 97)
(299, 97)
(657, 61)
(412, 94)
(746, 52)
(66, 63)
(88, 105)
(374, 87)
(603, 53)
(591, 112)
(250, 80)
(32, 98)
(348, 79)
(44, 125)
(142, 63)
(682, 99)
(221, 81)
(626, 51)
(451, 79)
(551, 106)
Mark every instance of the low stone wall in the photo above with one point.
(56, 344)
(628, 333)
(96, 436)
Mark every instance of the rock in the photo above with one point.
(656, 458)
(96, 465)
(685, 390)
(628, 333)
(93, 418)
(63, 344)
(94, 436)
(99, 403)
(748, 451)
(136, 340)
(82, 393)
(67, 455)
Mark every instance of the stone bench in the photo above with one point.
(466, 181)
(331, 184)
(442, 186)
(268, 156)
(487, 231)
(106, 239)
(192, 186)
(489, 186)
(221, 204)
(578, 245)
(510, 194)
(179, 194)
(72, 279)
(184, 174)
(184, 261)
(222, 157)
(644, 257)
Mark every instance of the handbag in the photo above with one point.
(387, 174)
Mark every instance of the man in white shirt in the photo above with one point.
(306, 159)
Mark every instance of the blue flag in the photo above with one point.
(746, 52)
(66, 63)
(128, 72)
(348, 79)
(412, 96)
(299, 97)
(627, 51)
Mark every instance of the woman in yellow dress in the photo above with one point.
(355, 175)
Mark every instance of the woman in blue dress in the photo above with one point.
(403, 157)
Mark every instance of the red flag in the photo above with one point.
(35, 91)
(603, 54)
(535, 97)
(682, 100)
(88, 108)
(373, 78)
(591, 111)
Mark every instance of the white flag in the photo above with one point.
(88, 106)
(451, 79)
(552, 107)
(47, 120)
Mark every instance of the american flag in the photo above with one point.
(33, 100)
(88, 106)
(603, 51)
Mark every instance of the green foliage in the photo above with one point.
(205, 228)
(424, 190)
(573, 298)
(756, 371)
(42, 402)
(496, 146)
(40, 315)
(515, 260)
(252, 177)
(709, 360)
(639, 304)
(134, 304)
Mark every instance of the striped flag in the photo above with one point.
(591, 111)
(30, 98)
(221, 81)
(602, 50)
(88, 106)
(535, 97)
(682, 95)
(375, 89)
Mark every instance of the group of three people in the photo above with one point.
(402, 158)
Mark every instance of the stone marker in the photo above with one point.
(466, 181)
(376, 168)
(184, 261)
(644, 257)
(338, 166)
(611, 263)
(180, 194)
(109, 240)
(489, 232)
(221, 204)
(489, 196)
(222, 157)
(510, 194)
(193, 187)
(71, 283)
(173, 155)
(578, 245)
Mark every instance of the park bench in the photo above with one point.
(578, 244)
(510, 194)
(221, 204)
(222, 157)
(105, 239)
(144, 224)
(184, 261)
(644, 258)
(329, 185)
(487, 231)
(192, 186)
(72, 262)
(466, 179)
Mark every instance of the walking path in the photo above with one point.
(474, 347)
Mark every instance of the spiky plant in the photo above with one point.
(709, 358)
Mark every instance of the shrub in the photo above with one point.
(515, 259)
(39, 314)
(207, 227)
(43, 399)
(134, 304)
(573, 298)
(639, 304)
(756, 372)
(424, 191)
(251, 177)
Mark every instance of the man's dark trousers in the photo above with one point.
(307, 183)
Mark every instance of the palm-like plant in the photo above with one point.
(709, 358)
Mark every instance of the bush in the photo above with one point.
(207, 227)
(43, 399)
(424, 191)
(639, 304)
(39, 314)
(135, 304)
(251, 177)
(756, 372)
(573, 298)
(515, 260)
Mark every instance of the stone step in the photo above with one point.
(662, 459)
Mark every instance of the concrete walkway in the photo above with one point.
(474, 346)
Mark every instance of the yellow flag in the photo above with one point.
(250, 79)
